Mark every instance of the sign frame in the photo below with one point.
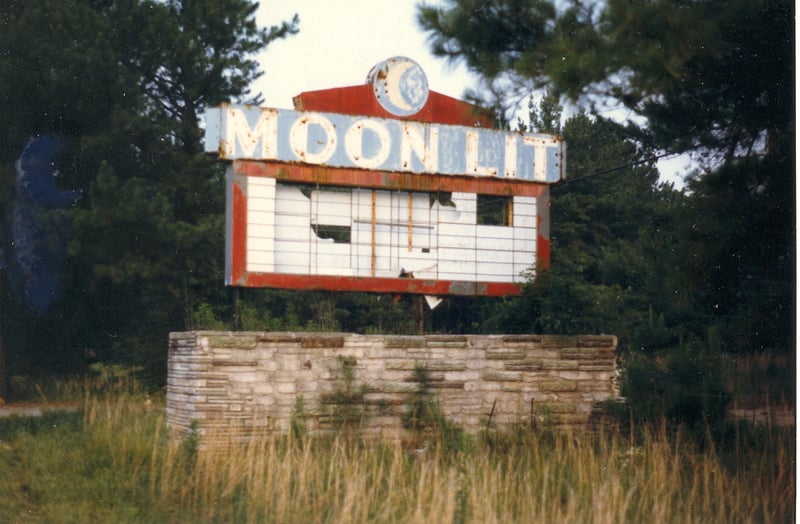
(354, 147)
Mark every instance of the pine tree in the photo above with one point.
(123, 83)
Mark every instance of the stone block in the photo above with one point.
(522, 339)
(558, 341)
(403, 365)
(463, 376)
(321, 341)
(594, 367)
(234, 341)
(555, 384)
(445, 365)
(446, 341)
(400, 387)
(524, 365)
(444, 384)
(251, 376)
(307, 386)
(404, 342)
(234, 362)
(286, 388)
(276, 338)
(495, 354)
(559, 364)
(263, 389)
(508, 376)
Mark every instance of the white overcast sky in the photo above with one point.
(339, 42)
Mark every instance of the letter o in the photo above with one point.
(298, 138)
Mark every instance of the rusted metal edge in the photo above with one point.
(387, 180)
(376, 284)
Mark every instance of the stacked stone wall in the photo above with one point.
(251, 382)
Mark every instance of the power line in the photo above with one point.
(617, 168)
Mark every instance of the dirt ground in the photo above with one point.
(34, 409)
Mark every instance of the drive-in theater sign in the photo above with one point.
(383, 187)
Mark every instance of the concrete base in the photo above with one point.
(246, 383)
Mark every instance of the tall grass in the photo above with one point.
(115, 462)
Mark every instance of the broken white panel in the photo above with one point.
(292, 230)
(328, 256)
(467, 205)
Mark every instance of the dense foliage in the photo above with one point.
(122, 85)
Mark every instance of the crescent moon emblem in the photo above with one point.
(393, 84)
(399, 85)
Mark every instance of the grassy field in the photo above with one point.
(114, 461)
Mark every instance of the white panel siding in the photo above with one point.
(329, 258)
(292, 257)
(260, 224)
(331, 208)
(497, 233)
(524, 212)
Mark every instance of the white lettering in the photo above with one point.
(413, 139)
(472, 157)
(540, 146)
(298, 138)
(510, 161)
(354, 143)
(266, 132)
(338, 140)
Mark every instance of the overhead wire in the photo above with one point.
(617, 168)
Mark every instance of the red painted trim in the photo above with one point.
(239, 234)
(387, 180)
(379, 285)
(543, 231)
(542, 253)
(360, 100)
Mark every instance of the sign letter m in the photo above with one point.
(230, 135)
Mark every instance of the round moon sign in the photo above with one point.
(400, 85)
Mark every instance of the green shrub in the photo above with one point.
(682, 385)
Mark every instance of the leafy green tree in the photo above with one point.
(123, 83)
(711, 73)
(715, 76)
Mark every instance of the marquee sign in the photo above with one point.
(384, 187)
(336, 140)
